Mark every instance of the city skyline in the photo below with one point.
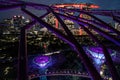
(77, 37)
(109, 5)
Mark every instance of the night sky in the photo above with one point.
(104, 4)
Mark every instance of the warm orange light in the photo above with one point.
(81, 5)
(80, 31)
(94, 6)
(56, 23)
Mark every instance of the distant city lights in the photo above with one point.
(18, 16)
(14, 16)
(27, 21)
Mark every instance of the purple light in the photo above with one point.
(97, 54)
(96, 49)
(41, 61)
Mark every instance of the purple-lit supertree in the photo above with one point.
(42, 62)
(68, 37)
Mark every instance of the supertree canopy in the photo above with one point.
(96, 53)
(41, 61)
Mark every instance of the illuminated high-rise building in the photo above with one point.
(18, 21)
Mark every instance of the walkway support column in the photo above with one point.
(22, 56)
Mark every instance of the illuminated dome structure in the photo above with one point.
(96, 53)
(41, 61)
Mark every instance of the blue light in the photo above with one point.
(98, 61)
(96, 53)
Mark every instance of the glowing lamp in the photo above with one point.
(19, 16)
(14, 16)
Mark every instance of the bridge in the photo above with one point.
(96, 24)
(63, 73)
(60, 73)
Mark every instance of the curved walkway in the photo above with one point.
(60, 73)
